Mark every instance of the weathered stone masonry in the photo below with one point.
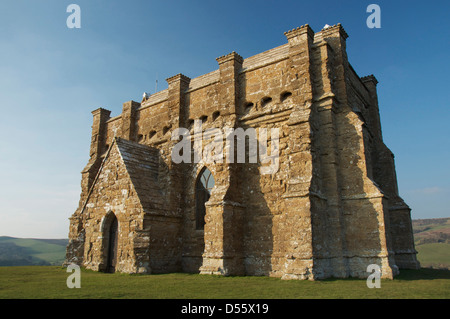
(330, 210)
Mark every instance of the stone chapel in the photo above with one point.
(330, 209)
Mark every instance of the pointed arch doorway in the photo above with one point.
(112, 232)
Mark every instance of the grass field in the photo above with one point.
(434, 254)
(46, 282)
(49, 282)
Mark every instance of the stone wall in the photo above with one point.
(330, 209)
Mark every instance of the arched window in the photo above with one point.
(203, 187)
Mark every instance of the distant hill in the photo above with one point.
(31, 251)
(432, 241)
(429, 231)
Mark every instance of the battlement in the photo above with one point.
(243, 68)
(304, 29)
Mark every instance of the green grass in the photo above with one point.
(436, 253)
(50, 282)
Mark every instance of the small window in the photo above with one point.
(204, 185)
(215, 115)
(285, 95)
(248, 107)
(140, 138)
(151, 134)
(203, 118)
(165, 130)
(265, 101)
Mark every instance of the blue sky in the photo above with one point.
(52, 77)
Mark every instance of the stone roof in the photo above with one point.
(142, 164)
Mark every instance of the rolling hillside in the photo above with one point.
(31, 251)
(432, 240)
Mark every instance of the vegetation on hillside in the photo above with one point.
(429, 231)
(432, 241)
(29, 251)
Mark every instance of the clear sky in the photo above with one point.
(52, 77)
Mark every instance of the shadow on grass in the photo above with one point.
(405, 274)
(423, 273)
